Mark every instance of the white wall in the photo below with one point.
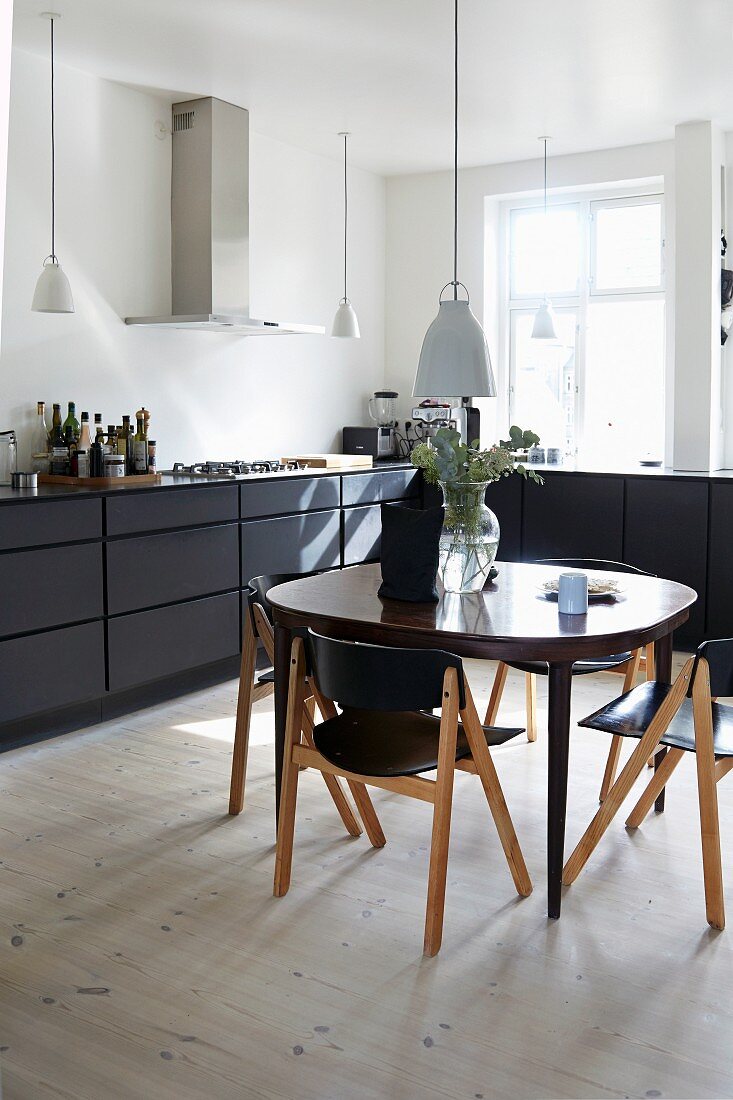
(6, 39)
(211, 395)
(419, 244)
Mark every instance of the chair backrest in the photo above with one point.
(594, 563)
(258, 587)
(375, 677)
(719, 655)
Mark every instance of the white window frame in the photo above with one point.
(586, 202)
(623, 291)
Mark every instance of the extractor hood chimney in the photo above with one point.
(210, 223)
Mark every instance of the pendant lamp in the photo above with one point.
(454, 360)
(53, 293)
(345, 323)
(544, 319)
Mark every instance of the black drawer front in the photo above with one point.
(42, 523)
(157, 569)
(362, 532)
(51, 670)
(574, 517)
(160, 508)
(301, 494)
(152, 644)
(45, 588)
(291, 544)
(720, 588)
(666, 533)
(378, 486)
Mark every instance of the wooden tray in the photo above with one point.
(331, 462)
(98, 482)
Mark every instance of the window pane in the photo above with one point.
(544, 380)
(628, 247)
(544, 253)
(623, 417)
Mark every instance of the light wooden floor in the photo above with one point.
(142, 954)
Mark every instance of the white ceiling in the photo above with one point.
(592, 73)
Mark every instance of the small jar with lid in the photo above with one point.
(114, 465)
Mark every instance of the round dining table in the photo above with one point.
(512, 619)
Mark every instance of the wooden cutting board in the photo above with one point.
(331, 462)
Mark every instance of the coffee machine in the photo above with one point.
(464, 418)
(379, 441)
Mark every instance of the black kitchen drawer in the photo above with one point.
(362, 532)
(720, 583)
(158, 569)
(151, 644)
(504, 498)
(299, 494)
(43, 523)
(158, 509)
(51, 670)
(666, 533)
(291, 544)
(573, 517)
(44, 588)
(379, 485)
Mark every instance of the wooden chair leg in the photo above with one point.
(708, 798)
(442, 815)
(334, 787)
(611, 764)
(656, 784)
(289, 789)
(722, 767)
(359, 793)
(495, 796)
(530, 691)
(244, 712)
(497, 691)
(625, 781)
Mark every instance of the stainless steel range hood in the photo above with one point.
(210, 224)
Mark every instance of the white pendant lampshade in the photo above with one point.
(53, 293)
(544, 322)
(345, 323)
(454, 360)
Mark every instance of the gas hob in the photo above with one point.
(238, 468)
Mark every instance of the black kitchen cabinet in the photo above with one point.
(380, 485)
(301, 494)
(43, 523)
(45, 588)
(720, 553)
(291, 544)
(666, 532)
(362, 531)
(152, 644)
(129, 514)
(579, 517)
(51, 670)
(180, 565)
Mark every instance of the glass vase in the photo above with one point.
(470, 536)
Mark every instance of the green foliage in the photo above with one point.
(445, 458)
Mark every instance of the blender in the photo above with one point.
(383, 411)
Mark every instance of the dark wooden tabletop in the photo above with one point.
(510, 610)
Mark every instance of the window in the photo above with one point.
(598, 390)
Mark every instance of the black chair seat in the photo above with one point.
(580, 668)
(631, 714)
(391, 743)
(267, 677)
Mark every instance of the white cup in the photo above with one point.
(572, 594)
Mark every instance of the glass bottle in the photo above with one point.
(55, 422)
(110, 447)
(71, 424)
(85, 439)
(125, 444)
(141, 441)
(40, 435)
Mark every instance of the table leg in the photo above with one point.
(663, 673)
(283, 642)
(560, 679)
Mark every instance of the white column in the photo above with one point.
(698, 435)
(6, 37)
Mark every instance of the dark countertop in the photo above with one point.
(167, 481)
(587, 469)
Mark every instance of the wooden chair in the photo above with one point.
(681, 717)
(626, 664)
(258, 626)
(387, 736)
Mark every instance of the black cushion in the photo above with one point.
(630, 716)
(410, 539)
(391, 743)
(580, 668)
